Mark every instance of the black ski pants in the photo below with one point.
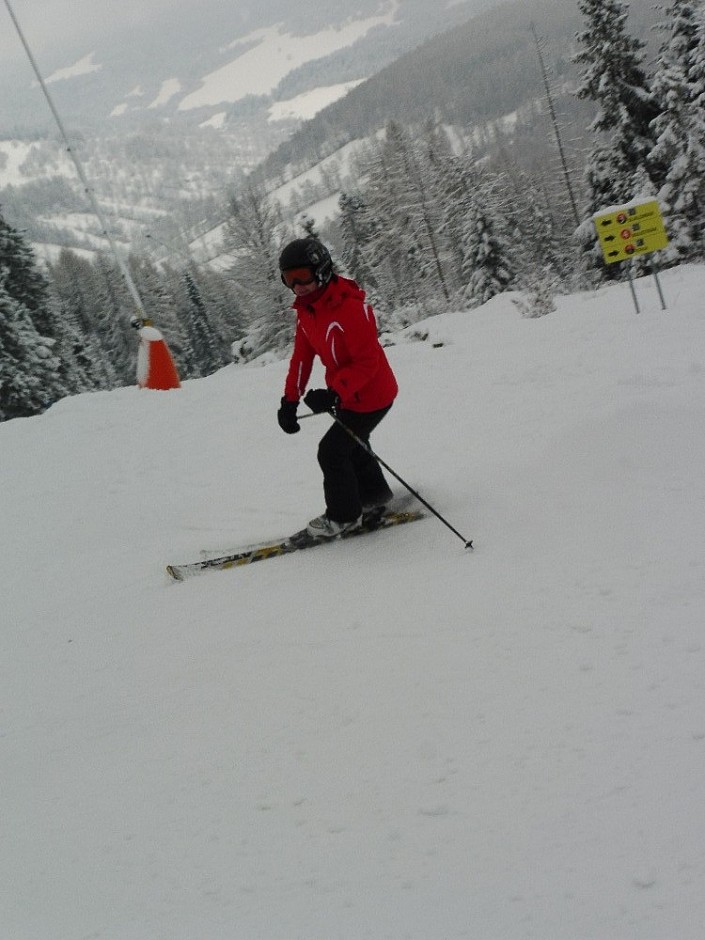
(351, 476)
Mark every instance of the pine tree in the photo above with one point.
(29, 372)
(406, 167)
(614, 79)
(41, 332)
(308, 226)
(679, 85)
(203, 338)
(439, 167)
(113, 307)
(78, 369)
(254, 235)
(160, 307)
(456, 183)
(357, 233)
(540, 287)
(26, 284)
(534, 243)
(73, 287)
(222, 302)
(23, 280)
(487, 268)
(384, 217)
(392, 241)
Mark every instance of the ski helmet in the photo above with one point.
(308, 253)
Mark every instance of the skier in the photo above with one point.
(334, 323)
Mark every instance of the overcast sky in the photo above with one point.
(51, 22)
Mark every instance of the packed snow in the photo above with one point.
(13, 154)
(84, 66)
(167, 90)
(389, 737)
(16, 158)
(307, 105)
(274, 54)
(217, 121)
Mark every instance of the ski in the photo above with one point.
(293, 543)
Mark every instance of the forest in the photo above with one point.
(423, 225)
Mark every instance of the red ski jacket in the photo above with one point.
(340, 328)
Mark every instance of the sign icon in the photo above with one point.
(622, 222)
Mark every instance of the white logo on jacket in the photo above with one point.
(333, 326)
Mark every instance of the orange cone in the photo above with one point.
(155, 367)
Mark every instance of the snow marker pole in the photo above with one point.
(467, 542)
(124, 270)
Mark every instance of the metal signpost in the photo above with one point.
(627, 231)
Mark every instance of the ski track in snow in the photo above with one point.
(389, 737)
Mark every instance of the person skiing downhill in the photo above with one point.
(334, 323)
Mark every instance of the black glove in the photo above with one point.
(286, 416)
(321, 399)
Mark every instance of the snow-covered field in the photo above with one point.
(384, 738)
(308, 104)
(13, 154)
(274, 54)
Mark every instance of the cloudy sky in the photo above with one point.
(48, 23)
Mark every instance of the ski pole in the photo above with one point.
(366, 447)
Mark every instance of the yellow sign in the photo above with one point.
(634, 229)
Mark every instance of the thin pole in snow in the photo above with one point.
(79, 168)
(654, 271)
(366, 447)
(631, 287)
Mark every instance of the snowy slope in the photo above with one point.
(389, 737)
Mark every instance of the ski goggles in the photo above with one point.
(294, 276)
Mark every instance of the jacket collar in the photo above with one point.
(337, 290)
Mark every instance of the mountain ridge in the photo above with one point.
(192, 47)
(177, 166)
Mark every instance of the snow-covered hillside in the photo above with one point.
(112, 71)
(389, 737)
(172, 106)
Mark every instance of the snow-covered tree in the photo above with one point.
(309, 227)
(408, 177)
(113, 307)
(679, 86)
(254, 239)
(391, 228)
(160, 307)
(539, 291)
(613, 78)
(222, 301)
(207, 351)
(73, 288)
(35, 333)
(456, 181)
(604, 166)
(487, 268)
(29, 372)
(357, 231)
(385, 214)
(23, 279)
(535, 242)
